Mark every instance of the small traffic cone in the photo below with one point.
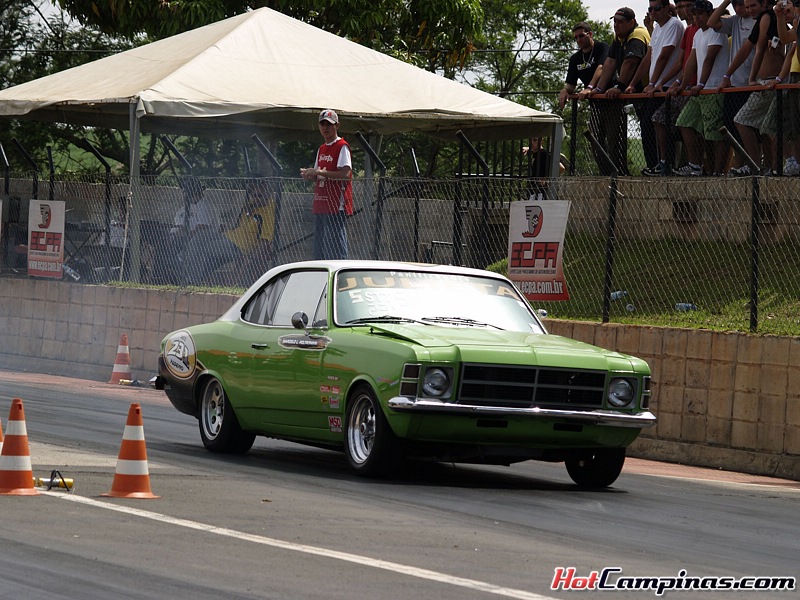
(1, 436)
(16, 474)
(132, 477)
(122, 364)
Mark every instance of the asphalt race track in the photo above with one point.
(290, 522)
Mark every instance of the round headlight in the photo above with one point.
(436, 383)
(620, 393)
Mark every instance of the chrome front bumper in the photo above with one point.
(590, 417)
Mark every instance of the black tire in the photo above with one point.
(370, 444)
(219, 427)
(596, 468)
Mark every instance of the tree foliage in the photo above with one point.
(436, 33)
(514, 48)
(524, 47)
(36, 48)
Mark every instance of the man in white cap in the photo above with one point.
(333, 190)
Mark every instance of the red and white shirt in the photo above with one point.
(333, 195)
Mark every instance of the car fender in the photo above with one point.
(402, 424)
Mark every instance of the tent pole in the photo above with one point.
(134, 195)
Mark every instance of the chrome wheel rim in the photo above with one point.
(361, 429)
(213, 409)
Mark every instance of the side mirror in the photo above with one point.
(299, 320)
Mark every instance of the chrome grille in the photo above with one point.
(529, 387)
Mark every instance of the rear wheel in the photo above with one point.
(370, 445)
(219, 427)
(596, 468)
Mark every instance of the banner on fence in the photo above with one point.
(535, 245)
(46, 238)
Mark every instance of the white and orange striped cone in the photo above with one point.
(1, 436)
(122, 363)
(16, 474)
(132, 477)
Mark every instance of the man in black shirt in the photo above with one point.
(586, 64)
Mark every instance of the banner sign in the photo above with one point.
(535, 245)
(46, 238)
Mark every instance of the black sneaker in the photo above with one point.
(689, 170)
(657, 171)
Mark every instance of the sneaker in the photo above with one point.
(791, 167)
(659, 169)
(743, 171)
(689, 170)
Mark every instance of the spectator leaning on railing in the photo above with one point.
(676, 103)
(701, 119)
(767, 62)
(662, 55)
(790, 73)
(586, 65)
(626, 52)
(738, 28)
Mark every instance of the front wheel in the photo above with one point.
(219, 427)
(596, 468)
(370, 444)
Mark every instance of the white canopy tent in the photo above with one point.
(263, 72)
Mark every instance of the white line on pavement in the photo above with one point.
(317, 551)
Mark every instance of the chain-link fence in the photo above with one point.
(703, 252)
(637, 132)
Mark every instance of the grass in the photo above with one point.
(658, 274)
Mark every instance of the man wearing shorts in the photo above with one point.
(750, 120)
(702, 117)
(672, 107)
(738, 28)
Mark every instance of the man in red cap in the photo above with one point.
(333, 190)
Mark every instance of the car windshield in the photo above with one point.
(453, 300)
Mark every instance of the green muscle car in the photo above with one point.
(392, 361)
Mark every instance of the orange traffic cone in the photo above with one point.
(132, 477)
(122, 364)
(16, 474)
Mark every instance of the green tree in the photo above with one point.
(437, 33)
(32, 48)
(524, 48)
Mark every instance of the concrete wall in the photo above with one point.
(724, 400)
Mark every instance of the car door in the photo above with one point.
(286, 367)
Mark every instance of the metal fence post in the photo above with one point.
(573, 137)
(34, 166)
(380, 201)
(611, 227)
(417, 193)
(186, 202)
(274, 258)
(483, 253)
(755, 226)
